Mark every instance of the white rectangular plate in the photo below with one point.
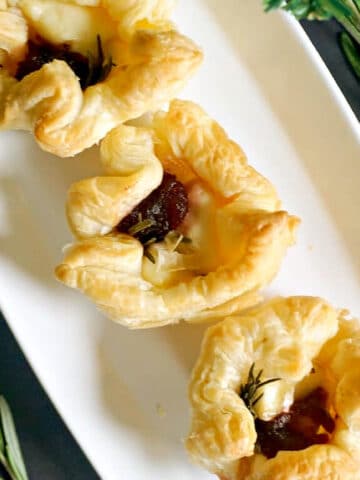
(123, 394)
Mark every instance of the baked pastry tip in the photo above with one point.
(304, 423)
(72, 70)
(182, 227)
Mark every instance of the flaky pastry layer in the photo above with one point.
(238, 233)
(152, 62)
(289, 338)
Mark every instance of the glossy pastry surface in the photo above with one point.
(73, 70)
(227, 247)
(306, 423)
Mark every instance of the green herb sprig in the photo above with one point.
(10, 453)
(346, 12)
(249, 391)
(351, 51)
(175, 239)
(140, 226)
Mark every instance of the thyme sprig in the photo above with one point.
(140, 226)
(10, 453)
(175, 239)
(346, 12)
(149, 255)
(249, 391)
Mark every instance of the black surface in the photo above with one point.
(50, 451)
(324, 37)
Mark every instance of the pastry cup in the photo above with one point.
(238, 233)
(304, 342)
(151, 63)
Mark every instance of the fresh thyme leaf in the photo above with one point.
(178, 240)
(150, 242)
(140, 226)
(262, 384)
(257, 399)
(175, 239)
(249, 391)
(12, 458)
(146, 249)
(351, 52)
(148, 255)
(186, 240)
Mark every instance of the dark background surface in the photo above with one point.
(324, 37)
(49, 449)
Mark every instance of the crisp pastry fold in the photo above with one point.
(143, 62)
(310, 347)
(237, 234)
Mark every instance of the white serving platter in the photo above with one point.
(122, 393)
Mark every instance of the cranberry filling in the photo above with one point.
(162, 211)
(41, 52)
(90, 70)
(298, 428)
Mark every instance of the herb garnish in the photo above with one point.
(174, 239)
(99, 67)
(249, 391)
(150, 242)
(345, 12)
(10, 453)
(140, 226)
(146, 249)
(90, 69)
(149, 256)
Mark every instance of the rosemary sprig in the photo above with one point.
(346, 12)
(99, 66)
(10, 453)
(249, 391)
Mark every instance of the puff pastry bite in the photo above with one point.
(304, 423)
(180, 228)
(71, 70)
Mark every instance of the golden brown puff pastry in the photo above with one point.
(237, 231)
(310, 347)
(149, 60)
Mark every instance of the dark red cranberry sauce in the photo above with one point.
(162, 211)
(298, 428)
(41, 52)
